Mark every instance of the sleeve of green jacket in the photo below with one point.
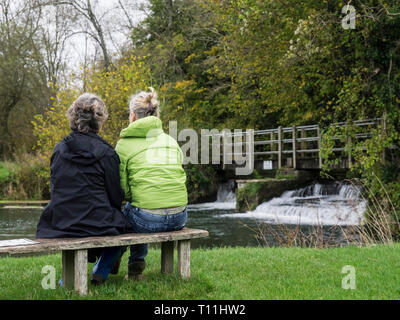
(123, 172)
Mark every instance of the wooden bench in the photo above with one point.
(75, 252)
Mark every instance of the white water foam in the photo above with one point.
(226, 199)
(333, 204)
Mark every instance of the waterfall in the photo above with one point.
(317, 204)
(346, 191)
(226, 199)
(226, 192)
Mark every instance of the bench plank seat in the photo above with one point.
(59, 244)
(74, 252)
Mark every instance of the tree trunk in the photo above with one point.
(5, 137)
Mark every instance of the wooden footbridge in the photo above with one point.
(297, 147)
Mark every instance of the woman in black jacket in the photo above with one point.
(86, 195)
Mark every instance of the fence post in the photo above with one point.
(319, 148)
(348, 142)
(279, 147)
(223, 150)
(294, 147)
(272, 145)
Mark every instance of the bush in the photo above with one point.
(202, 183)
(26, 178)
(5, 169)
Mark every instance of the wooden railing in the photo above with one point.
(299, 147)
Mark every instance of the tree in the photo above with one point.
(175, 38)
(54, 32)
(23, 79)
(115, 87)
(93, 28)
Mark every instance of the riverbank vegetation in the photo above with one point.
(230, 273)
(231, 64)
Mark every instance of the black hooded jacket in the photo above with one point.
(86, 195)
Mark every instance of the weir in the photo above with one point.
(317, 204)
(327, 203)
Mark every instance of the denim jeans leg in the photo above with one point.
(138, 252)
(106, 261)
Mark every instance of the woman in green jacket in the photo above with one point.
(151, 175)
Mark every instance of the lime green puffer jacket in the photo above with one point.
(151, 166)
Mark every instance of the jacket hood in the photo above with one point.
(84, 148)
(150, 126)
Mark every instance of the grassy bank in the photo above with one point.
(27, 178)
(229, 273)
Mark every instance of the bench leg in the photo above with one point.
(167, 256)
(68, 268)
(74, 270)
(184, 258)
(81, 270)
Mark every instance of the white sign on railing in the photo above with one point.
(267, 165)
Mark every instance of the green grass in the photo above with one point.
(229, 273)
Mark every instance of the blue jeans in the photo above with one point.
(146, 222)
(106, 261)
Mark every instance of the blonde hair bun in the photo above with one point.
(145, 103)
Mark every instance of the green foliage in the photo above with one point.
(245, 60)
(51, 126)
(282, 174)
(129, 76)
(201, 182)
(176, 38)
(4, 172)
(247, 197)
(114, 87)
(391, 173)
(24, 75)
(26, 178)
(393, 188)
(259, 64)
(346, 75)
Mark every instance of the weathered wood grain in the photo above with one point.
(54, 245)
(68, 269)
(167, 257)
(81, 268)
(184, 258)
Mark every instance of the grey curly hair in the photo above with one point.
(87, 113)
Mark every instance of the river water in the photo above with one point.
(330, 208)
